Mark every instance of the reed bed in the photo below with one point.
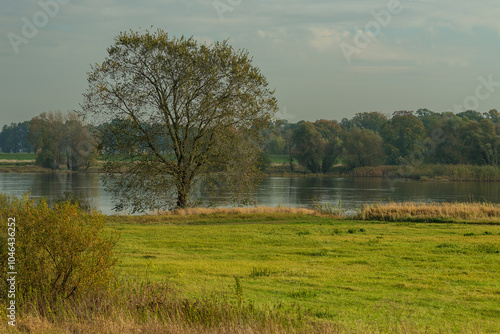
(409, 211)
(430, 172)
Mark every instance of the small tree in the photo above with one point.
(60, 139)
(178, 113)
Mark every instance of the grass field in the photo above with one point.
(360, 276)
(17, 156)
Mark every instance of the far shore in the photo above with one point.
(425, 172)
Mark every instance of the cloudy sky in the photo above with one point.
(326, 58)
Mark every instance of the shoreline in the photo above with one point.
(424, 173)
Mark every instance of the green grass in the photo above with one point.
(364, 276)
(17, 156)
(280, 159)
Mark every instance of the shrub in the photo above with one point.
(60, 252)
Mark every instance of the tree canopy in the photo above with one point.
(179, 113)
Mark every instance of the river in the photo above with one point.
(273, 191)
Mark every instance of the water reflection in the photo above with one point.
(288, 191)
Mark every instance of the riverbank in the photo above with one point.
(433, 173)
(25, 163)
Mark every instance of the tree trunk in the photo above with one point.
(181, 199)
(183, 185)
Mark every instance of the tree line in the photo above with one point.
(372, 139)
(367, 139)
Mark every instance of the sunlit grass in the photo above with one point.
(364, 276)
(17, 156)
(280, 270)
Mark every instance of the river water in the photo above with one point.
(273, 191)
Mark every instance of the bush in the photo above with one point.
(60, 252)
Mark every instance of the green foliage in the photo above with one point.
(362, 148)
(309, 146)
(402, 136)
(369, 120)
(60, 139)
(14, 138)
(313, 151)
(177, 113)
(61, 252)
(277, 145)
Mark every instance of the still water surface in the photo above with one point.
(273, 191)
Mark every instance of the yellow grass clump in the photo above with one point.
(473, 212)
(243, 210)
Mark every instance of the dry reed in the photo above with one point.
(463, 212)
(243, 210)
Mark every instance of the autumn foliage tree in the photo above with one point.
(179, 113)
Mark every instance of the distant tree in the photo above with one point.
(362, 147)
(402, 136)
(309, 146)
(189, 114)
(369, 120)
(429, 118)
(480, 142)
(345, 124)
(14, 138)
(471, 115)
(312, 150)
(450, 150)
(327, 129)
(290, 146)
(77, 143)
(493, 115)
(332, 150)
(46, 136)
(60, 139)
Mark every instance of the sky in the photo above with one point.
(325, 59)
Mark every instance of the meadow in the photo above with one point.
(17, 156)
(391, 268)
(357, 276)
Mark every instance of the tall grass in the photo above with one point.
(467, 212)
(132, 307)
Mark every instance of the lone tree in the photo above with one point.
(170, 112)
